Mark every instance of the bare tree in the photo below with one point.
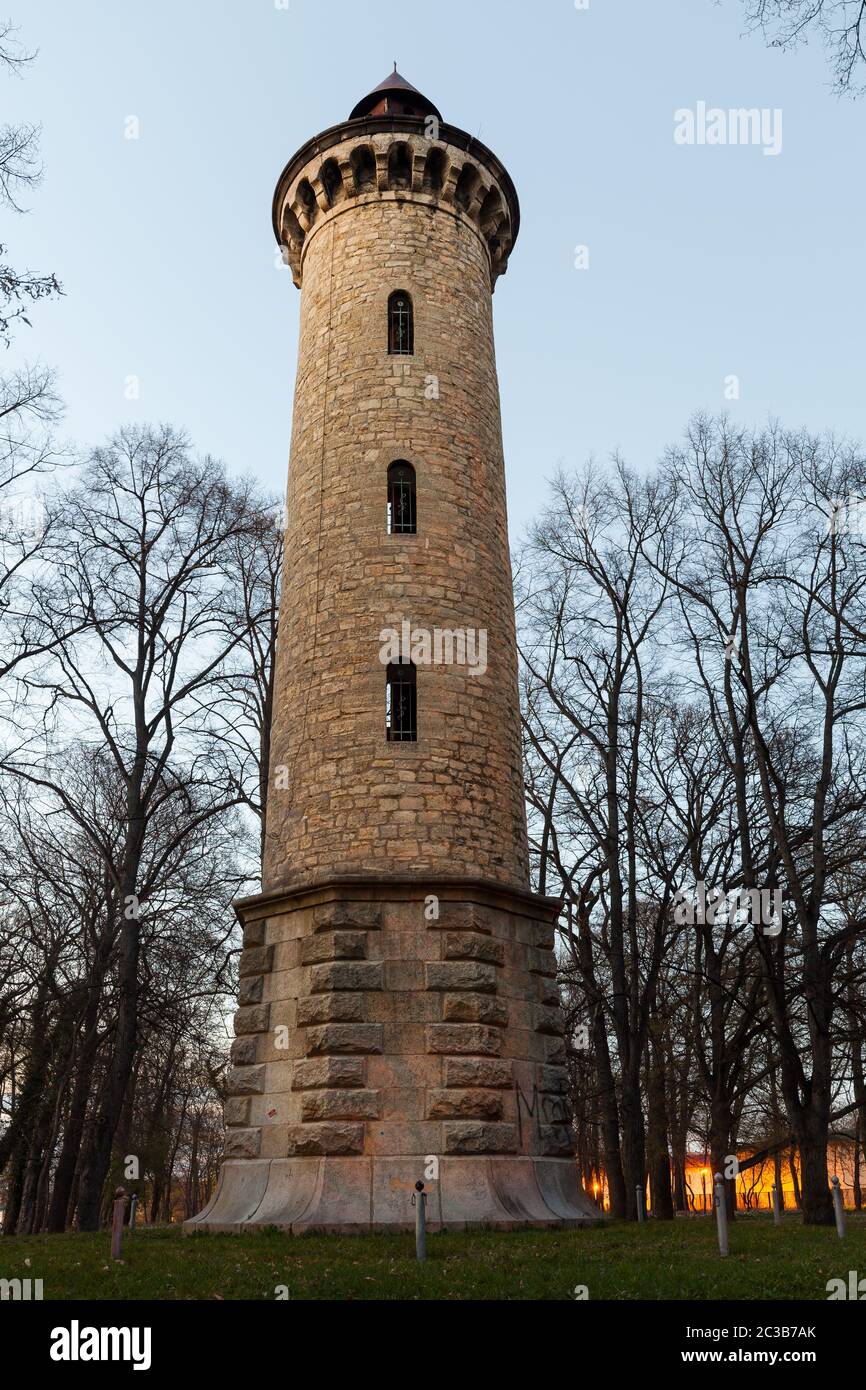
(133, 614)
(840, 25)
(20, 172)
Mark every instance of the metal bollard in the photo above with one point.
(640, 1193)
(777, 1209)
(721, 1214)
(117, 1222)
(839, 1208)
(133, 1207)
(420, 1204)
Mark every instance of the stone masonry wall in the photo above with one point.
(343, 800)
(368, 1027)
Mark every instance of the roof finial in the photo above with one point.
(395, 64)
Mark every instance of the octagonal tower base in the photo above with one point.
(392, 1031)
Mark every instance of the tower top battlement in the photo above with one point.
(396, 146)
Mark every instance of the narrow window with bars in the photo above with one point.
(401, 325)
(401, 704)
(402, 513)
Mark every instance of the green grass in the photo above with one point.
(616, 1261)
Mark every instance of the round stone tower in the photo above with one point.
(399, 1017)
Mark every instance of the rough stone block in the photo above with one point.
(326, 1139)
(554, 1051)
(340, 1105)
(474, 1008)
(250, 990)
(470, 946)
(466, 917)
(256, 960)
(479, 1071)
(346, 916)
(469, 1137)
(318, 1073)
(244, 1051)
(254, 933)
(331, 1008)
(544, 935)
(541, 962)
(255, 1019)
(344, 1037)
(243, 1143)
(342, 945)
(549, 1021)
(548, 992)
(246, 1081)
(238, 1112)
(464, 1105)
(556, 1141)
(461, 975)
(553, 1080)
(346, 975)
(464, 1038)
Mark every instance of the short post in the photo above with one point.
(419, 1202)
(133, 1207)
(721, 1214)
(777, 1207)
(640, 1193)
(117, 1222)
(838, 1207)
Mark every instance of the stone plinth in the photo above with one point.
(391, 1031)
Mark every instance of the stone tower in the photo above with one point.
(399, 1016)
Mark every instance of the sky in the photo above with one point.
(706, 262)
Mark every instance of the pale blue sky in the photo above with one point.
(704, 261)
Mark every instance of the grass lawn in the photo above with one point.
(677, 1260)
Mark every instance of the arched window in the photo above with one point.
(401, 324)
(402, 515)
(401, 704)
